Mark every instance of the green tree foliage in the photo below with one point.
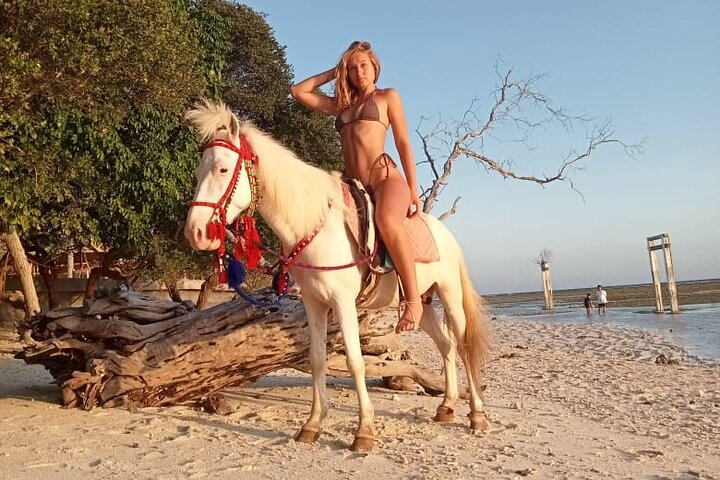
(257, 82)
(104, 57)
(90, 135)
(92, 145)
(94, 65)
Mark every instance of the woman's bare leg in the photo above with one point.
(392, 198)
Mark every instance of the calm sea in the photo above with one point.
(696, 328)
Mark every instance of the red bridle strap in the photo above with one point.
(244, 154)
(218, 219)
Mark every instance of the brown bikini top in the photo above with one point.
(366, 110)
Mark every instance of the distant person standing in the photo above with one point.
(588, 304)
(601, 300)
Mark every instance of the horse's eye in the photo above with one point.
(223, 170)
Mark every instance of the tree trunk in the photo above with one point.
(131, 350)
(174, 292)
(50, 281)
(205, 290)
(22, 267)
(3, 270)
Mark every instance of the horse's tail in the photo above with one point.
(477, 329)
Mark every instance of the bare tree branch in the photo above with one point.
(518, 105)
(544, 257)
(450, 212)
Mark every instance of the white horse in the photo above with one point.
(300, 202)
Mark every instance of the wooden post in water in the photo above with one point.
(664, 245)
(656, 280)
(670, 272)
(547, 285)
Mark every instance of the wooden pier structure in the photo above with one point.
(655, 243)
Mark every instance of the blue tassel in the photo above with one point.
(235, 272)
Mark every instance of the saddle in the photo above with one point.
(359, 214)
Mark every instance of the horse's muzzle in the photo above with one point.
(197, 236)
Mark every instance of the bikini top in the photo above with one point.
(366, 110)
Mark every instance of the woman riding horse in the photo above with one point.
(364, 113)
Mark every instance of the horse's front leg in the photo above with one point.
(317, 313)
(346, 314)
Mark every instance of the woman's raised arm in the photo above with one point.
(306, 93)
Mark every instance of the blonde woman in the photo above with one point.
(363, 115)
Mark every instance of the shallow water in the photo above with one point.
(696, 328)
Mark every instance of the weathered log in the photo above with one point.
(131, 350)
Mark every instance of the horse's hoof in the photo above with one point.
(307, 436)
(362, 444)
(478, 422)
(444, 414)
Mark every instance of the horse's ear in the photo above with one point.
(234, 126)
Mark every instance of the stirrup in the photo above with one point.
(414, 321)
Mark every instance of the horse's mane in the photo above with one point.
(294, 193)
(208, 117)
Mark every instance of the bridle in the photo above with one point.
(218, 220)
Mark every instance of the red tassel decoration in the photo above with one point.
(220, 269)
(251, 239)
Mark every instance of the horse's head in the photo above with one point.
(224, 188)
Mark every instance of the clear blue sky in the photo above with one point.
(652, 66)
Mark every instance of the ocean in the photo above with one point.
(696, 328)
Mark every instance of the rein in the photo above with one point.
(290, 260)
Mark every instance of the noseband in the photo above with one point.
(218, 220)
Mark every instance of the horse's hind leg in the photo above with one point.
(456, 318)
(317, 313)
(445, 341)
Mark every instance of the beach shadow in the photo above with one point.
(27, 382)
(263, 436)
(216, 423)
(261, 395)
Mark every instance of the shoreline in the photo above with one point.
(695, 328)
(563, 400)
(690, 292)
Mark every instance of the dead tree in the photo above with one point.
(131, 350)
(518, 105)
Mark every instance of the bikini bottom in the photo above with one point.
(385, 161)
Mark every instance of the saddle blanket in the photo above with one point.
(359, 222)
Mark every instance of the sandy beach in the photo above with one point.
(565, 401)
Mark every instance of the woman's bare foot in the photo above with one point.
(410, 318)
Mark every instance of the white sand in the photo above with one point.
(565, 401)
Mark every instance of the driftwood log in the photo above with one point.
(125, 349)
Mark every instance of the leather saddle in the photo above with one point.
(359, 221)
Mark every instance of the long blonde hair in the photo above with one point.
(345, 93)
